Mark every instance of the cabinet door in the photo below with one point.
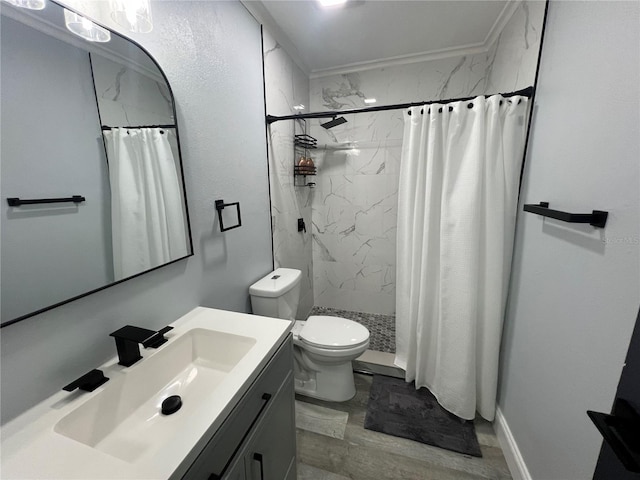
(235, 472)
(272, 449)
(236, 432)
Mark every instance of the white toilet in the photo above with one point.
(323, 346)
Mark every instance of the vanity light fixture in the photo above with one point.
(85, 28)
(370, 100)
(331, 3)
(30, 4)
(298, 107)
(134, 15)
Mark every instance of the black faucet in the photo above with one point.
(128, 339)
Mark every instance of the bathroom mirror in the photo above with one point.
(89, 140)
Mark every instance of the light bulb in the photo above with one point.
(85, 28)
(331, 3)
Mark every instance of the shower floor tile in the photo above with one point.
(382, 328)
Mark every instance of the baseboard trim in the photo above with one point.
(512, 455)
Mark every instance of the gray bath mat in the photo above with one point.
(397, 408)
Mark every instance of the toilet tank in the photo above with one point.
(277, 294)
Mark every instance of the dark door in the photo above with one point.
(609, 467)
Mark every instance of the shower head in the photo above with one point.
(333, 123)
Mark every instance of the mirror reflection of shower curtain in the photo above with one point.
(148, 220)
(457, 204)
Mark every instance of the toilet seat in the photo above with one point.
(333, 333)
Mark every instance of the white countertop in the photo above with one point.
(31, 449)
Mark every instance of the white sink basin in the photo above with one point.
(117, 431)
(125, 419)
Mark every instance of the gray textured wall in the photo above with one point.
(211, 53)
(575, 289)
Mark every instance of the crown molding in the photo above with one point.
(469, 49)
(501, 22)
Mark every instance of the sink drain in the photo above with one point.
(171, 404)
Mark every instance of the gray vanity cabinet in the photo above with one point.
(235, 472)
(272, 448)
(257, 440)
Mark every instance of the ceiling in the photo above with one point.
(371, 33)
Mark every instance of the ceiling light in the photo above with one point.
(370, 100)
(85, 28)
(331, 3)
(134, 15)
(298, 107)
(30, 4)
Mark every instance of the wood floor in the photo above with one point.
(333, 445)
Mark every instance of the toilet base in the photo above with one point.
(333, 383)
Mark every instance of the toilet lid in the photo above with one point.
(333, 332)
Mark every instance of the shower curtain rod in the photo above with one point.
(525, 92)
(104, 127)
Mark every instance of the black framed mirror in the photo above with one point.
(92, 183)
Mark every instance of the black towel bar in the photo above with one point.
(16, 202)
(598, 218)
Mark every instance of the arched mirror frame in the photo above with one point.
(180, 162)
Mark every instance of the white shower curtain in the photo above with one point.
(457, 205)
(147, 208)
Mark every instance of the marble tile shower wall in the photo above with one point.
(128, 97)
(354, 210)
(354, 206)
(286, 85)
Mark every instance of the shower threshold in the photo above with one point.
(381, 363)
